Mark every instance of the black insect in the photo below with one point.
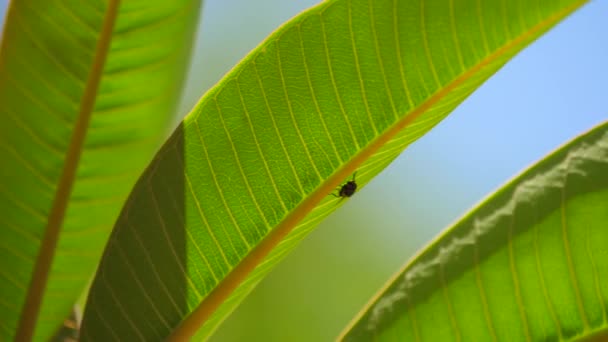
(348, 189)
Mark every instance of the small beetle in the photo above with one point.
(348, 189)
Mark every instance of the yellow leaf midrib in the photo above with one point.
(216, 297)
(502, 51)
(35, 293)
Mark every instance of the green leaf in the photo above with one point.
(87, 90)
(530, 263)
(342, 88)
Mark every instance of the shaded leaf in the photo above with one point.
(342, 88)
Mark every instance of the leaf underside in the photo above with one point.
(529, 263)
(47, 74)
(343, 87)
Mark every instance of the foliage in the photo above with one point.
(341, 89)
(529, 263)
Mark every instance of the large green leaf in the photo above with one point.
(87, 89)
(530, 263)
(342, 88)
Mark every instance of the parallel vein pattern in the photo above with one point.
(299, 109)
(45, 62)
(528, 264)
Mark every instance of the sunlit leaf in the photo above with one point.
(87, 90)
(341, 89)
(530, 263)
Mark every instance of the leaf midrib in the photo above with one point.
(35, 292)
(556, 17)
(218, 295)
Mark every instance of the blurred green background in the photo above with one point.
(549, 93)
